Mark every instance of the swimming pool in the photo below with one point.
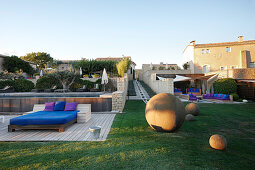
(24, 102)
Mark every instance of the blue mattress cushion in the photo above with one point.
(59, 106)
(45, 118)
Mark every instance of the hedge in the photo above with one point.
(4, 83)
(225, 86)
(23, 85)
(46, 82)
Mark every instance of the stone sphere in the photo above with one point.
(218, 142)
(192, 108)
(189, 117)
(165, 112)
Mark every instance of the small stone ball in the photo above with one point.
(189, 117)
(193, 109)
(218, 142)
(165, 112)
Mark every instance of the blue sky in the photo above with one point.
(147, 30)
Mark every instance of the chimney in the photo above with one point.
(193, 42)
(240, 38)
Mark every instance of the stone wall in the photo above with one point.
(119, 97)
(161, 86)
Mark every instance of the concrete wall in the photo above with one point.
(239, 57)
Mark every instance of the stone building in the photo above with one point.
(226, 60)
(212, 57)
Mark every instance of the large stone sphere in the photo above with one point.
(192, 108)
(165, 112)
(189, 117)
(218, 142)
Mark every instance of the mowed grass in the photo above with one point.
(132, 144)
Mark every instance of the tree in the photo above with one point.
(185, 66)
(13, 64)
(41, 59)
(66, 78)
(123, 66)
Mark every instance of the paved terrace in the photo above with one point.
(75, 132)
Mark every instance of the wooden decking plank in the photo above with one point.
(108, 123)
(85, 128)
(85, 136)
(103, 119)
(75, 132)
(107, 129)
(104, 128)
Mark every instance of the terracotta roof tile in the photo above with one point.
(224, 44)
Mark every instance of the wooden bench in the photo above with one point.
(83, 115)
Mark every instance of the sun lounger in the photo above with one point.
(7, 89)
(39, 119)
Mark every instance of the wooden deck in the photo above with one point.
(75, 132)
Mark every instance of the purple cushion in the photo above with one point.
(49, 106)
(59, 106)
(71, 106)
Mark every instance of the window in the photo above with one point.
(203, 51)
(208, 51)
(252, 64)
(228, 49)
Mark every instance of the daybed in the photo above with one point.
(192, 97)
(222, 97)
(177, 92)
(194, 91)
(39, 119)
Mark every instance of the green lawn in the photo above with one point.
(132, 144)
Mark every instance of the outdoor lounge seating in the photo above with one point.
(222, 97)
(177, 92)
(7, 89)
(192, 97)
(39, 119)
(195, 91)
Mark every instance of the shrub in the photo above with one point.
(46, 82)
(235, 96)
(123, 66)
(14, 64)
(23, 85)
(78, 83)
(37, 74)
(225, 86)
(6, 83)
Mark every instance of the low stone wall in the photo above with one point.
(119, 97)
(161, 86)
